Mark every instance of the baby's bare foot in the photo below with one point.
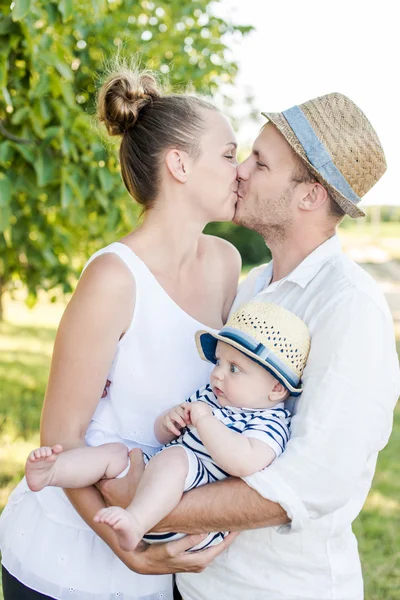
(124, 524)
(40, 467)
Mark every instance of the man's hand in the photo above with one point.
(160, 559)
(198, 410)
(120, 492)
(176, 419)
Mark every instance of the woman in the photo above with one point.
(132, 320)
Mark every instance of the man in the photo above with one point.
(309, 167)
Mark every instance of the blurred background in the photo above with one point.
(61, 196)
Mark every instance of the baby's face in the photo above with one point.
(238, 381)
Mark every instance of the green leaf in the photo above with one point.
(42, 87)
(5, 190)
(21, 9)
(52, 13)
(52, 132)
(5, 200)
(3, 70)
(31, 299)
(6, 152)
(27, 152)
(7, 96)
(46, 169)
(45, 110)
(67, 194)
(6, 25)
(61, 66)
(66, 8)
(106, 179)
(68, 95)
(20, 115)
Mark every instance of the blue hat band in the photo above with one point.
(317, 154)
(247, 342)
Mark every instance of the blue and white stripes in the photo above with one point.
(271, 426)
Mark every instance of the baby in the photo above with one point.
(236, 425)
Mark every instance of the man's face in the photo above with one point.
(266, 195)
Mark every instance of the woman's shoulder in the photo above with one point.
(107, 276)
(223, 251)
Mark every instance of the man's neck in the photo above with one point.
(290, 252)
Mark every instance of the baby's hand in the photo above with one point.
(198, 410)
(176, 419)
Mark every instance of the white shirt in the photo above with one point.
(343, 418)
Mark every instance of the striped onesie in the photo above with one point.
(271, 426)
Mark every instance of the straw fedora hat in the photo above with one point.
(338, 144)
(270, 335)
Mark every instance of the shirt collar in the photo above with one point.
(238, 410)
(305, 271)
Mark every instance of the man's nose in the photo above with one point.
(243, 170)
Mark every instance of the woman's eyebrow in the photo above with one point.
(234, 144)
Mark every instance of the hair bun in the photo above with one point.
(122, 96)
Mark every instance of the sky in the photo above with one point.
(302, 49)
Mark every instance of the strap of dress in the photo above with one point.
(124, 252)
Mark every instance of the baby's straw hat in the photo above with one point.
(269, 334)
(338, 144)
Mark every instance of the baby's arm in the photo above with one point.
(169, 424)
(237, 454)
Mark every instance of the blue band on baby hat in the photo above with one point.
(264, 353)
(317, 154)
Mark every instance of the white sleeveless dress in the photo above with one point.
(44, 542)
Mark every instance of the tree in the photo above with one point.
(61, 196)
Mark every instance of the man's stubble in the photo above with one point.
(270, 217)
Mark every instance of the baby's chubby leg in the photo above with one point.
(74, 468)
(159, 491)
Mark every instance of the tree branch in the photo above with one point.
(12, 137)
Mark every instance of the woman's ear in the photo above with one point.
(176, 164)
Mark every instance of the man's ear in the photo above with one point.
(279, 393)
(176, 162)
(315, 196)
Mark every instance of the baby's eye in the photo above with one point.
(234, 369)
(217, 362)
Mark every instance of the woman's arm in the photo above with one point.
(98, 314)
(235, 453)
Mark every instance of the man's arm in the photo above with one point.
(228, 505)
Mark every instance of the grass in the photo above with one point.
(26, 341)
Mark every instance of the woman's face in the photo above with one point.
(212, 178)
